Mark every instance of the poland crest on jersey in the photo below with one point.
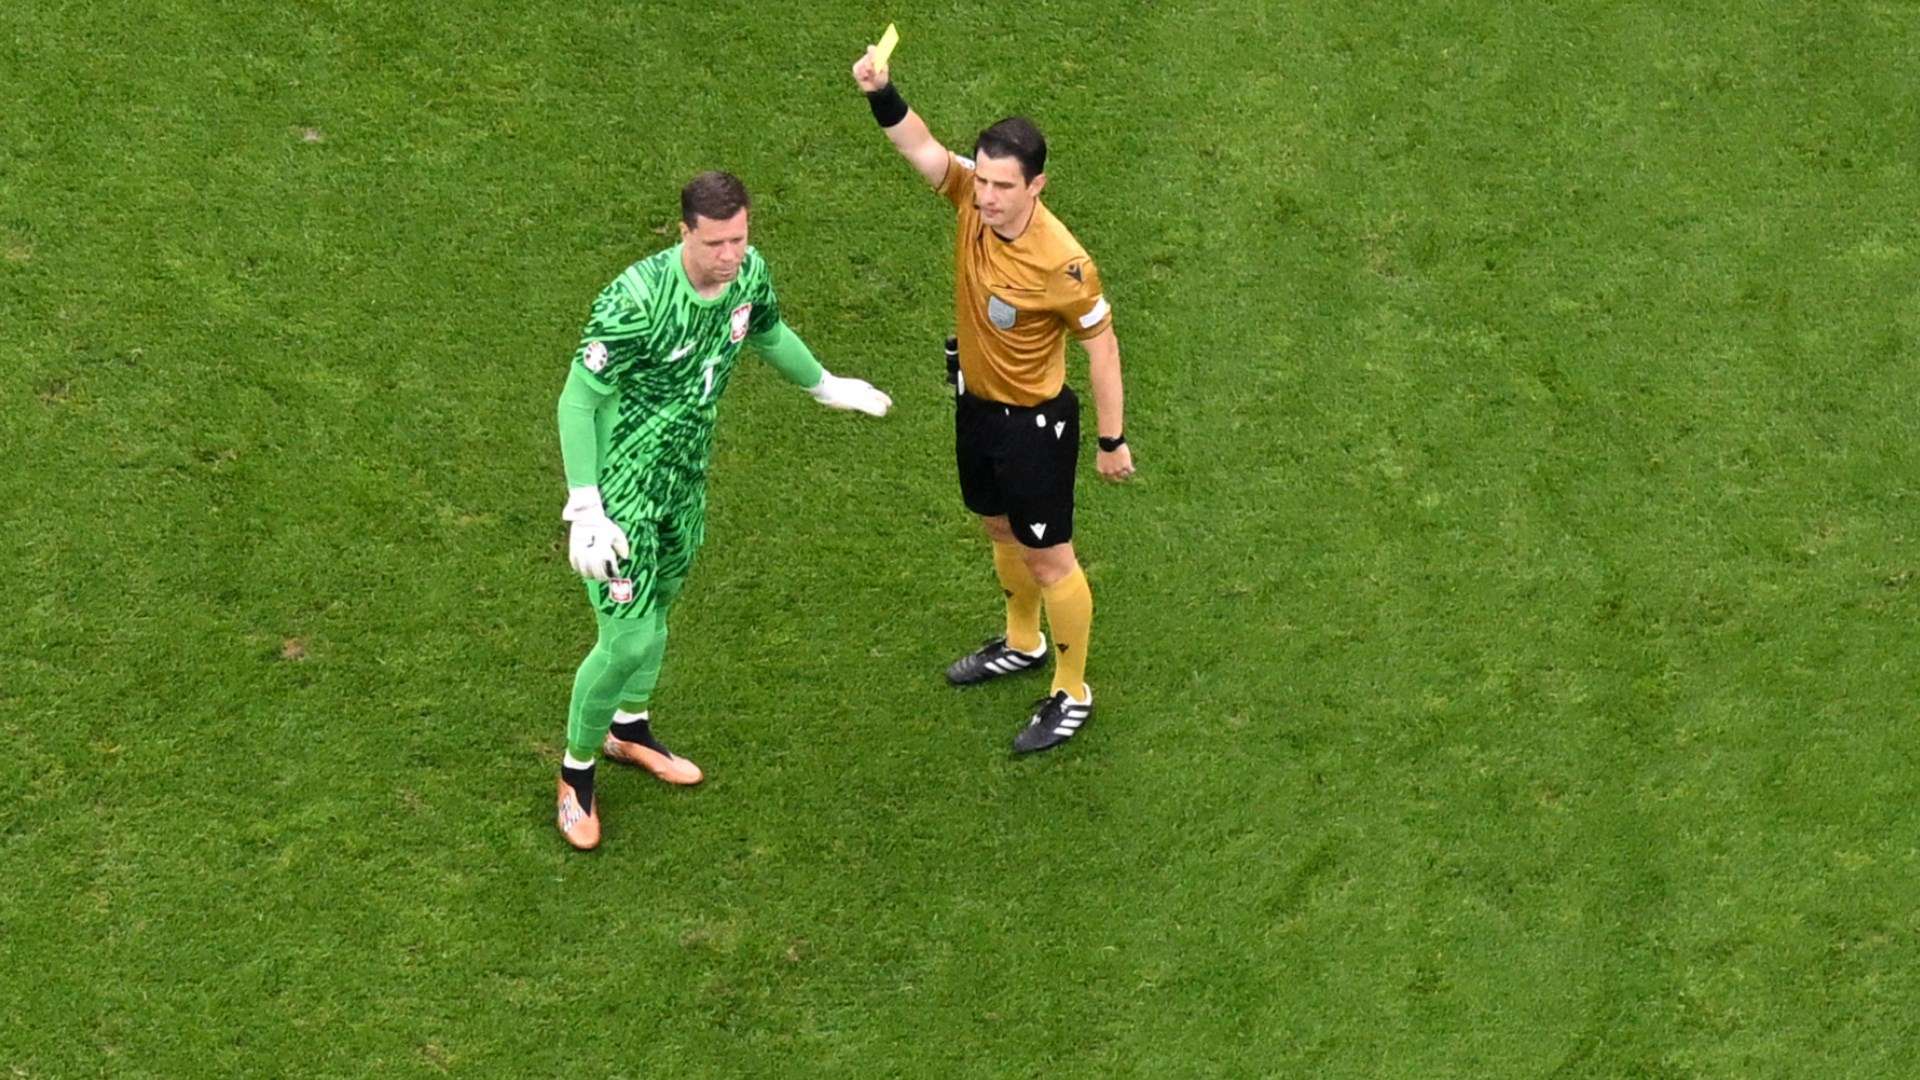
(740, 316)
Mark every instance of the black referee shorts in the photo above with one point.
(1019, 460)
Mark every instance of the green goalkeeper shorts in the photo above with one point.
(660, 553)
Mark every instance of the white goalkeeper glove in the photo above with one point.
(857, 394)
(596, 545)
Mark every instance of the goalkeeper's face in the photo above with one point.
(715, 248)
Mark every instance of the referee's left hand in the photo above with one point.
(1115, 465)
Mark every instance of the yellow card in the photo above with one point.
(884, 50)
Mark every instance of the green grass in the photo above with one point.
(1504, 657)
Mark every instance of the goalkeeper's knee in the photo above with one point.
(628, 644)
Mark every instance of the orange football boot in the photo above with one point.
(653, 757)
(580, 827)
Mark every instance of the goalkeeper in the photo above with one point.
(636, 427)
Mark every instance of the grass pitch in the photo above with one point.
(1503, 657)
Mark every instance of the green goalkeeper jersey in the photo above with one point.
(666, 355)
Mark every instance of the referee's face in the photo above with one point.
(1001, 192)
(715, 248)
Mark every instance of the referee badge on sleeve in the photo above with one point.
(999, 312)
(1099, 311)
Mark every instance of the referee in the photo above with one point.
(1021, 284)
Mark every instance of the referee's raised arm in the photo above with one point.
(903, 126)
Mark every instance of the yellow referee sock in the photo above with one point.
(1023, 597)
(1070, 617)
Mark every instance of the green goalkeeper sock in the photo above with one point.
(639, 687)
(627, 654)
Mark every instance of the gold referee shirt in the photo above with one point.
(1015, 301)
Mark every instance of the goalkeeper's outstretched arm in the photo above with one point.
(783, 350)
(903, 126)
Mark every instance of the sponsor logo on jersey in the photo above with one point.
(620, 590)
(1076, 274)
(1000, 313)
(740, 316)
(596, 357)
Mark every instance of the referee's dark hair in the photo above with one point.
(714, 195)
(1015, 137)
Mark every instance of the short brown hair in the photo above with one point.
(1015, 137)
(714, 195)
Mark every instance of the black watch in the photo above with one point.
(1110, 445)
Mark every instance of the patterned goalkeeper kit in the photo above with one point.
(666, 355)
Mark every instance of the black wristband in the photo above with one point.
(889, 108)
(1110, 445)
